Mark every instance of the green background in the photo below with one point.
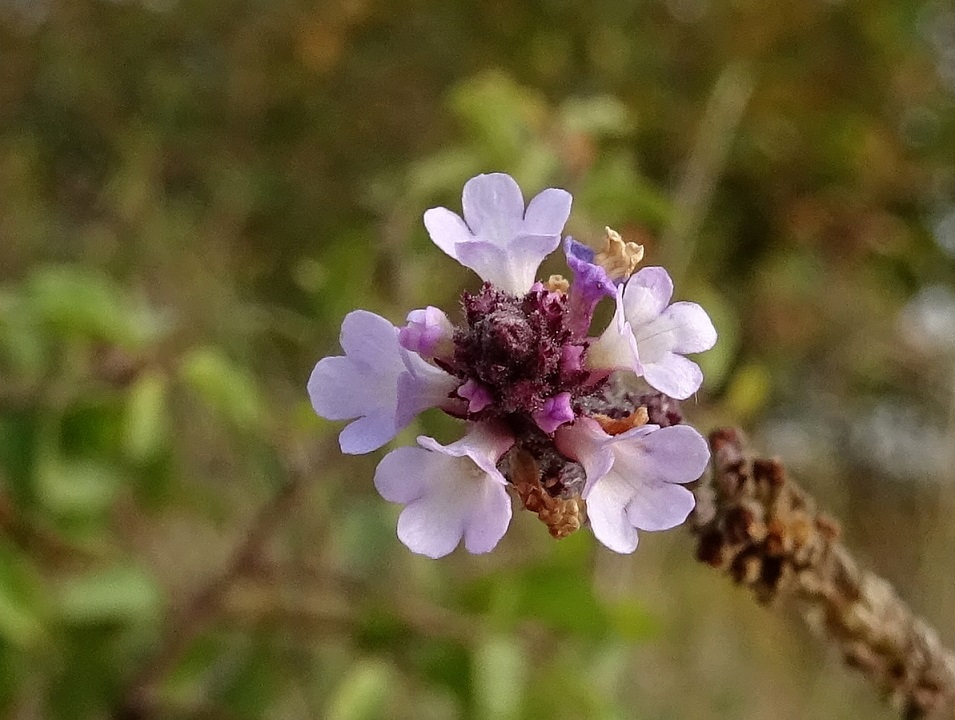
(192, 196)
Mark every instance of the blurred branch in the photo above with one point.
(185, 622)
(722, 115)
(37, 539)
(762, 529)
(314, 609)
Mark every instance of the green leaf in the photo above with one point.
(499, 113)
(363, 692)
(602, 115)
(618, 193)
(441, 174)
(76, 487)
(563, 600)
(632, 621)
(124, 594)
(186, 680)
(145, 422)
(21, 608)
(225, 387)
(19, 437)
(82, 302)
(556, 592)
(500, 674)
(255, 681)
(21, 342)
(718, 360)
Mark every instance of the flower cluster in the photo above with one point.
(530, 382)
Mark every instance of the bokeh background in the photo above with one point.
(192, 196)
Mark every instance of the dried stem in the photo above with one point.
(765, 532)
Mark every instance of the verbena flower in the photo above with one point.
(544, 423)
(650, 336)
(377, 382)
(634, 478)
(498, 239)
(450, 492)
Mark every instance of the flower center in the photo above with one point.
(518, 348)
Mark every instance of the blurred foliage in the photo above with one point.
(192, 195)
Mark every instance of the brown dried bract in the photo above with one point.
(615, 426)
(562, 516)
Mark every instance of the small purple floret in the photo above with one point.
(476, 394)
(571, 360)
(556, 411)
(591, 284)
(427, 333)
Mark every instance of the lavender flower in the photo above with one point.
(521, 369)
(649, 336)
(377, 382)
(450, 492)
(633, 478)
(498, 239)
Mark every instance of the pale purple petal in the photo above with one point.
(478, 396)
(450, 492)
(368, 433)
(370, 339)
(646, 295)
(493, 207)
(689, 327)
(401, 474)
(446, 229)
(616, 348)
(663, 333)
(606, 510)
(650, 463)
(497, 239)
(586, 442)
(675, 454)
(429, 333)
(491, 262)
(660, 507)
(362, 384)
(548, 212)
(377, 382)
(325, 389)
(556, 411)
(420, 387)
(632, 477)
(511, 267)
(674, 375)
(528, 251)
(490, 516)
(484, 443)
(434, 524)
(435, 514)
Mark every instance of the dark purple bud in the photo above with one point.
(591, 284)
